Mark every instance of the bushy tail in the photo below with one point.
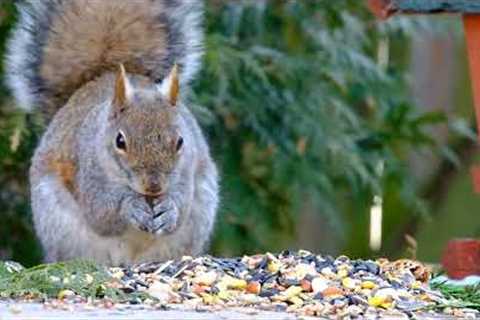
(58, 45)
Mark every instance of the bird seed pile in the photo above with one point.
(298, 282)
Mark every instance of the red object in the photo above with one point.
(475, 172)
(381, 8)
(462, 258)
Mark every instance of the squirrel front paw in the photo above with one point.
(139, 213)
(165, 216)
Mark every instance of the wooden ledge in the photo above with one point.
(385, 8)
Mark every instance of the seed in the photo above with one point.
(342, 273)
(205, 279)
(368, 285)
(296, 301)
(117, 274)
(327, 271)
(292, 291)
(198, 289)
(224, 295)
(416, 285)
(159, 290)
(306, 285)
(332, 291)
(254, 287)
(273, 266)
(349, 283)
(65, 294)
(228, 282)
(208, 298)
(302, 269)
(319, 284)
(376, 301)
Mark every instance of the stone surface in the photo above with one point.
(25, 311)
(37, 311)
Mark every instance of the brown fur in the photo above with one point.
(174, 89)
(150, 202)
(62, 168)
(121, 87)
(76, 52)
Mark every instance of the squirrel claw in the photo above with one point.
(157, 229)
(165, 217)
(158, 214)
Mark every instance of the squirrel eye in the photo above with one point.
(179, 143)
(120, 142)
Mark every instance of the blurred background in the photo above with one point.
(316, 112)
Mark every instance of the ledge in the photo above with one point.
(386, 8)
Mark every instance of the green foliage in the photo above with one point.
(460, 296)
(307, 105)
(48, 280)
(18, 137)
(302, 101)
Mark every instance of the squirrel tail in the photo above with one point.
(59, 45)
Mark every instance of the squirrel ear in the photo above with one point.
(122, 88)
(170, 87)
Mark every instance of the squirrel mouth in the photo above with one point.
(150, 193)
(153, 194)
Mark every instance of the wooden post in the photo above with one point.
(472, 36)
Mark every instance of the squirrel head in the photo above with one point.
(144, 137)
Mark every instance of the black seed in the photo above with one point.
(267, 293)
(128, 289)
(141, 283)
(320, 264)
(280, 307)
(318, 296)
(135, 301)
(147, 268)
(285, 253)
(309, 277)
(187, 295)
(372, 267)
(263, 264)
(288, 282)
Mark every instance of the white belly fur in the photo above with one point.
(73, 237)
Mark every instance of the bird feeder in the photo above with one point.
(461, 257)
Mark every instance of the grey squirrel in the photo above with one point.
(123, 173)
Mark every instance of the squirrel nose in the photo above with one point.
(154, 187)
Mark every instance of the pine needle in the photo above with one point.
(459, 296)
(48, 280)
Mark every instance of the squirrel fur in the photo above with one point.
(123, 173)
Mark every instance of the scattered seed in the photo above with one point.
(254, 287)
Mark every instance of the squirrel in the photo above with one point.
(123, 173)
